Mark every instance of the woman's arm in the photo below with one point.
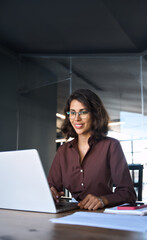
(55, 175)
(124, 189)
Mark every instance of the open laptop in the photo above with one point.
(23, 184)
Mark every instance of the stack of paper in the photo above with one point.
(141, 211)
(113, 221)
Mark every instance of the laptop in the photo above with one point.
(23, 184)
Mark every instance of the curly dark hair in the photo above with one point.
(94, 105)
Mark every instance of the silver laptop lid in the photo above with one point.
(23, 184)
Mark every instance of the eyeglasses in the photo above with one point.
(82, 114)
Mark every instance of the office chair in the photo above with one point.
(136, 171)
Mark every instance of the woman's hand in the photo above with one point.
(56, 194)
(91, 202)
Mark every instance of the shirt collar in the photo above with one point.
(74, 142)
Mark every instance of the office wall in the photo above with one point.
(28, 108)
(8, 102)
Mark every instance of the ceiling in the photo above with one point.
(98, 41)
(74, 27)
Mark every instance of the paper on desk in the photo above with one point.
(141, 211)
(113, 221)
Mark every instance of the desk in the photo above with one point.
(19, 225)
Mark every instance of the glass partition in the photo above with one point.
(121, 83)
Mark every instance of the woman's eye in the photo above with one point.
(72, 113)
(84, 112)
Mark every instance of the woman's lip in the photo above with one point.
(78, 125)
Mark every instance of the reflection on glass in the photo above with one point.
(121, 83)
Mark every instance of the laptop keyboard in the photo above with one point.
(66, 206)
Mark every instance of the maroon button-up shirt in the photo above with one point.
(103, 166)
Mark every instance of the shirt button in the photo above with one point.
(82, 184)
(81, 170)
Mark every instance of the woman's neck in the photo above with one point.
(83, 139)
(83, 146)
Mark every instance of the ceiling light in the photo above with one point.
(60, 140)
(116, 123)
(60, 116)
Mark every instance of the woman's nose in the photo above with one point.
(77, 117)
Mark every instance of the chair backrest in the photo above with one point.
(136, 171)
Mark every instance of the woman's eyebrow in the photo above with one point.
(82, 109)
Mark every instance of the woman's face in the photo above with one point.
(80, 122)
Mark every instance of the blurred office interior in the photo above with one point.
(50, 48)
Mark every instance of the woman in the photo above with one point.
(90, 164)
